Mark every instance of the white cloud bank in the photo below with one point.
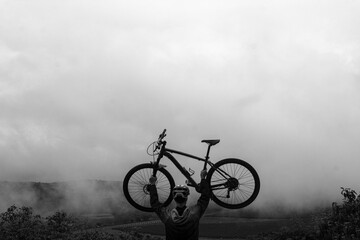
(86, 85)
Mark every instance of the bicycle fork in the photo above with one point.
(157, 164)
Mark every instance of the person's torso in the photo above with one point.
(183, 227)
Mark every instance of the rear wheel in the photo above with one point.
(136, 182)
(234, 183)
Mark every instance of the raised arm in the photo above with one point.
(204, 199)
(159, 209)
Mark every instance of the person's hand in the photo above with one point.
(152, 180)
(203, 174)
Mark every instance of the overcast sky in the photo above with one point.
(85, 86)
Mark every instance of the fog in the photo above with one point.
(85, 86)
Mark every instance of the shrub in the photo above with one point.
(342, 221)
(22, 224)
(345, 219)
(61, 226)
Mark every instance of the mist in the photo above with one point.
(86, 86)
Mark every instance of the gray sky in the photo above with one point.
(85, 86)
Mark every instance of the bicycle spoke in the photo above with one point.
(232, 183)
(137, 186)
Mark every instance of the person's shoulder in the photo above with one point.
(194, 209)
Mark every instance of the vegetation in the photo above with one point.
(340, 222)
(22, 224)
(344, 221)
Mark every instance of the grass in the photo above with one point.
(217, 227)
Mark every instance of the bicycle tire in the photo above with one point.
(240, 187)
(136, 182)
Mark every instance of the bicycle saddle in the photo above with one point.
(211, 142)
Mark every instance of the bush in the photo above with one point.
(342, 221)
(61, 226)
(21, 224)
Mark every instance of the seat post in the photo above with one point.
(207, 156)
(211, 143)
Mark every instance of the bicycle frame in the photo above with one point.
(233, 182)
(167, 153)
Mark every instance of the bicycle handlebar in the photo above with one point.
(159, 141)
(162, 135)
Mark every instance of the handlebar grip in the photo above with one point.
(162, 135)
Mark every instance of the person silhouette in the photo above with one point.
(182, 222)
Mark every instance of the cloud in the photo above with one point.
(86, 86)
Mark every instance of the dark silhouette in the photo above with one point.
(234, 183)
(182, 222)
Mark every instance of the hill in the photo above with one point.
(78, 197)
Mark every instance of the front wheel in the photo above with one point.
(234, 183)
(136, 182)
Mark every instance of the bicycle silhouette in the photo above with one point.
(234, 183)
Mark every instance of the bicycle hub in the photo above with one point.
(232, 184)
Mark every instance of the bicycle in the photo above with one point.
(234, 183)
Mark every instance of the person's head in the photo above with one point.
(180, 195)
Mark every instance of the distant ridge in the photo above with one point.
(82, 197)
